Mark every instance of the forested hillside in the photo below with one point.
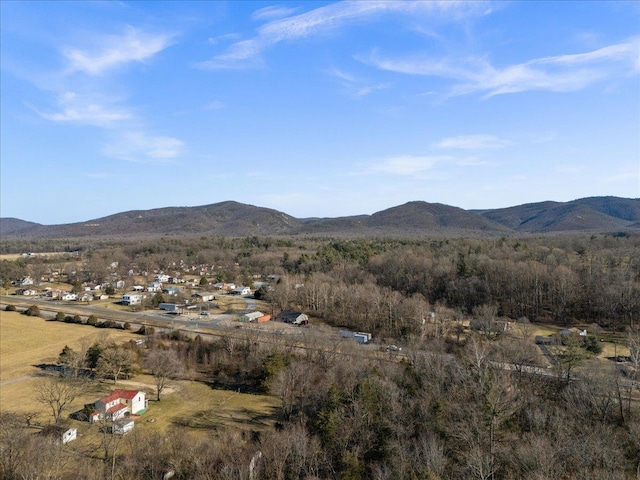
(454, 404)
(417, 218)
(560, 279)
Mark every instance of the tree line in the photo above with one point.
(447, 411)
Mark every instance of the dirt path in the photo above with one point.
(15, 380)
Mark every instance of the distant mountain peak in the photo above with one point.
(418, 217)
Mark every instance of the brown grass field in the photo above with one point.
(28, 341)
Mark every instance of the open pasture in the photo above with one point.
(29, 341)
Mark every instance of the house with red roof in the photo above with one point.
(119, 404)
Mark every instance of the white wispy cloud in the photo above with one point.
(274, 11)
(214, 105)
(625, 177)
(74, 108)
(114, 51)
(355, 86)
(472, 142)
(144, 148)
(364, 91)
(472, 162)
(329, 18)
(223, 38)
(406, 164)
(560, 73)
(341, 75)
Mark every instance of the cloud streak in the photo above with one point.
(116, 51)
(328, 18)
(472, 142)
(130, 138)
(406, 164)
(140, 147)
(561, 73)
(275, 11)
(354, 86)
(80, 110)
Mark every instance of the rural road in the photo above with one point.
(208, 325)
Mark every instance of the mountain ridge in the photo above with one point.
(231, 218)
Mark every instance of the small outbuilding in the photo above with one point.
(251, 317)
(203, 296)
(60, 433)
(242, 291)
(122, 426)
(294, 318)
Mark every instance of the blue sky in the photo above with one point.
(315, 108)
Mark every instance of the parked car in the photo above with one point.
(393, 348)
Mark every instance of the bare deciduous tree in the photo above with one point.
(57, 393)
(164, 365)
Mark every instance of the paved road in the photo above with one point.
(208, 325)
(187, 321)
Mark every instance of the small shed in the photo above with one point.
(60, 433)
(204, 296)
(122, 426)
(362, 337)
(251, 317)
(169, 307)
(69, 435)
(295, 318)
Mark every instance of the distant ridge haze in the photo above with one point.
(229, 218)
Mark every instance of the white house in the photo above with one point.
(154, 287)
(132, 299)
(86, 297)
(69, 297)
(161, 278)
(242, 291)
(119, 404)
(24, 282)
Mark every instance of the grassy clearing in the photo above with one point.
(609, 349)
(28, 341)
(201, 408)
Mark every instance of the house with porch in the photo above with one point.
(119, 404)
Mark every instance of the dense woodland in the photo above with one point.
(447, 410)
(388, 286)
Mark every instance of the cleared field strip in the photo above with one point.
(28, 341)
